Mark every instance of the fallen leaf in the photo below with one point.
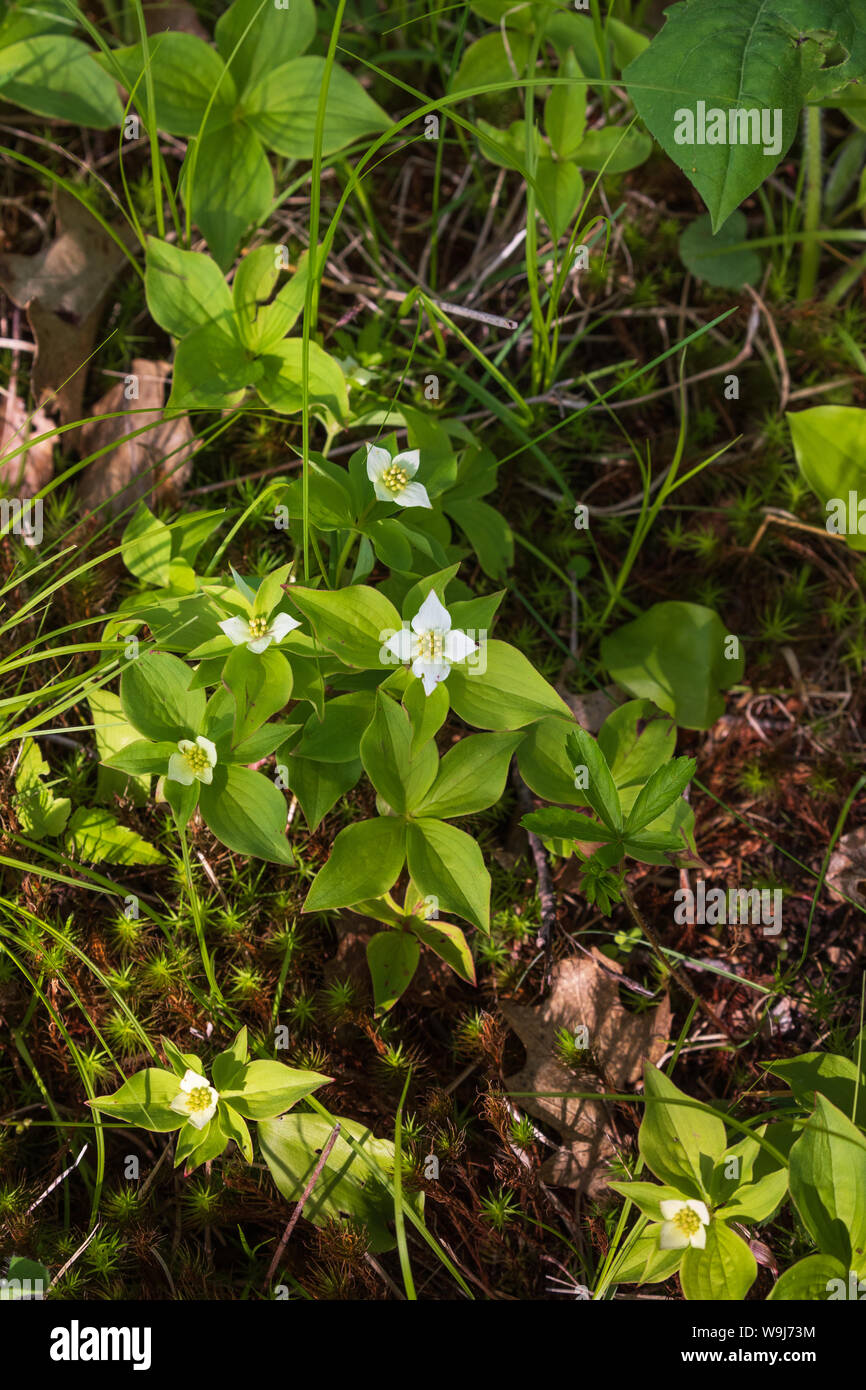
(591, 709)
(153, 464)
(584, 992)
(63, 288)
(24, 474)
(847, 867)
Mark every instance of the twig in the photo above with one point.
(323, 1158)
(57, 1181)
(546, 895)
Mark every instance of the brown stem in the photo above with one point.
(323, 1158)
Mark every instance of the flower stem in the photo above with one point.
(195, 904)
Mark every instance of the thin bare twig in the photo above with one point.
(323, 1158)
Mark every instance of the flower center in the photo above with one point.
(199, 1098)
(258, 627)
(430, 646)
(197, 759)
(394, 478)
(687, 1221)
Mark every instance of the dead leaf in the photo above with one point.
(847, 867)
(63, 288)
(584, 991)
(591, 710)
(24, 474)
(154, 464)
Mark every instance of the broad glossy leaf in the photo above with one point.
(264, 1089)
(232, 188)
(264, 36)
(247, 812)
(260, 683)
(280, 384)
(156, 699)
(565, 109)
(185, 289)
(319, 786)
(678, 1140)
(144, 1100)
(365, 862)
(353, 623)
(450, 945)
(828, 1184)
(186, 73)
(281, 107)
(59, 77)
(337, 737)
(146, 547)
(705, 255)
(725, 1270)
(346, 1187)
(471, 776)
(447, 864)
(830, 447)
(386, 752)
(810, 1281)
(211, 369)
(508, 694)
(674, 655)
(393, 959)
(560, 192)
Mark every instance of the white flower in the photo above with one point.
(194, 763)
(258, 633)
(195, 1099)
(684, 1222)
(390, 477)
(431, 646)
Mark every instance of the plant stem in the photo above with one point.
(811, 253)
(195, 904)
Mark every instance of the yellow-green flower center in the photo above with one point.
(197, 759)
(258, 627)
(394, 478)
(687, 1221)
(430, 646)
(198, 1098)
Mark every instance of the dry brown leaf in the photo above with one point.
(63, 289)
(176, 15)
(584, 991)
(154, 464)
(24, 474)
(847, 867)
(591, 710)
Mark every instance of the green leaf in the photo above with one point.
(560, 193)
(487, 61)
(260, 683)
(57, 76)
(386, 754)
(427, 713)
(198, 1146)
(555, 823)
(211, 369)
(678, 1140)
(471, 776)
(24, 1279)
(229, 1064)
(756, 55)
(280, 383)
(232, 189)
(663, 788)
(811, 1281)
(319, 786)
(393, 959)
(268, 36)
(565, 109)
(346, 1187)
(184, 289)
(337, 737)
(235, 1127)
(636, 739)
(545, 765)
(831, 1076)
(180, 1062)
(488, 533)
(156, 699)
(641, 1261)
(265, 1089)
(144, 1100)
(146, 547)
(506, 693)
(725, 1270)
(96, 837)
(39, 811)
(601, 792)
(830, 448)
(113, 734)
(247, 812)
(447, 864)
(281, 107)
(646, 1196)
(186, 73)
(449, 943)
(263, 320)
(365, 862)
(756, 1201)
(828, 1184)
(353, 623)
(674, 655)
(705, 255)
(613, 150)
